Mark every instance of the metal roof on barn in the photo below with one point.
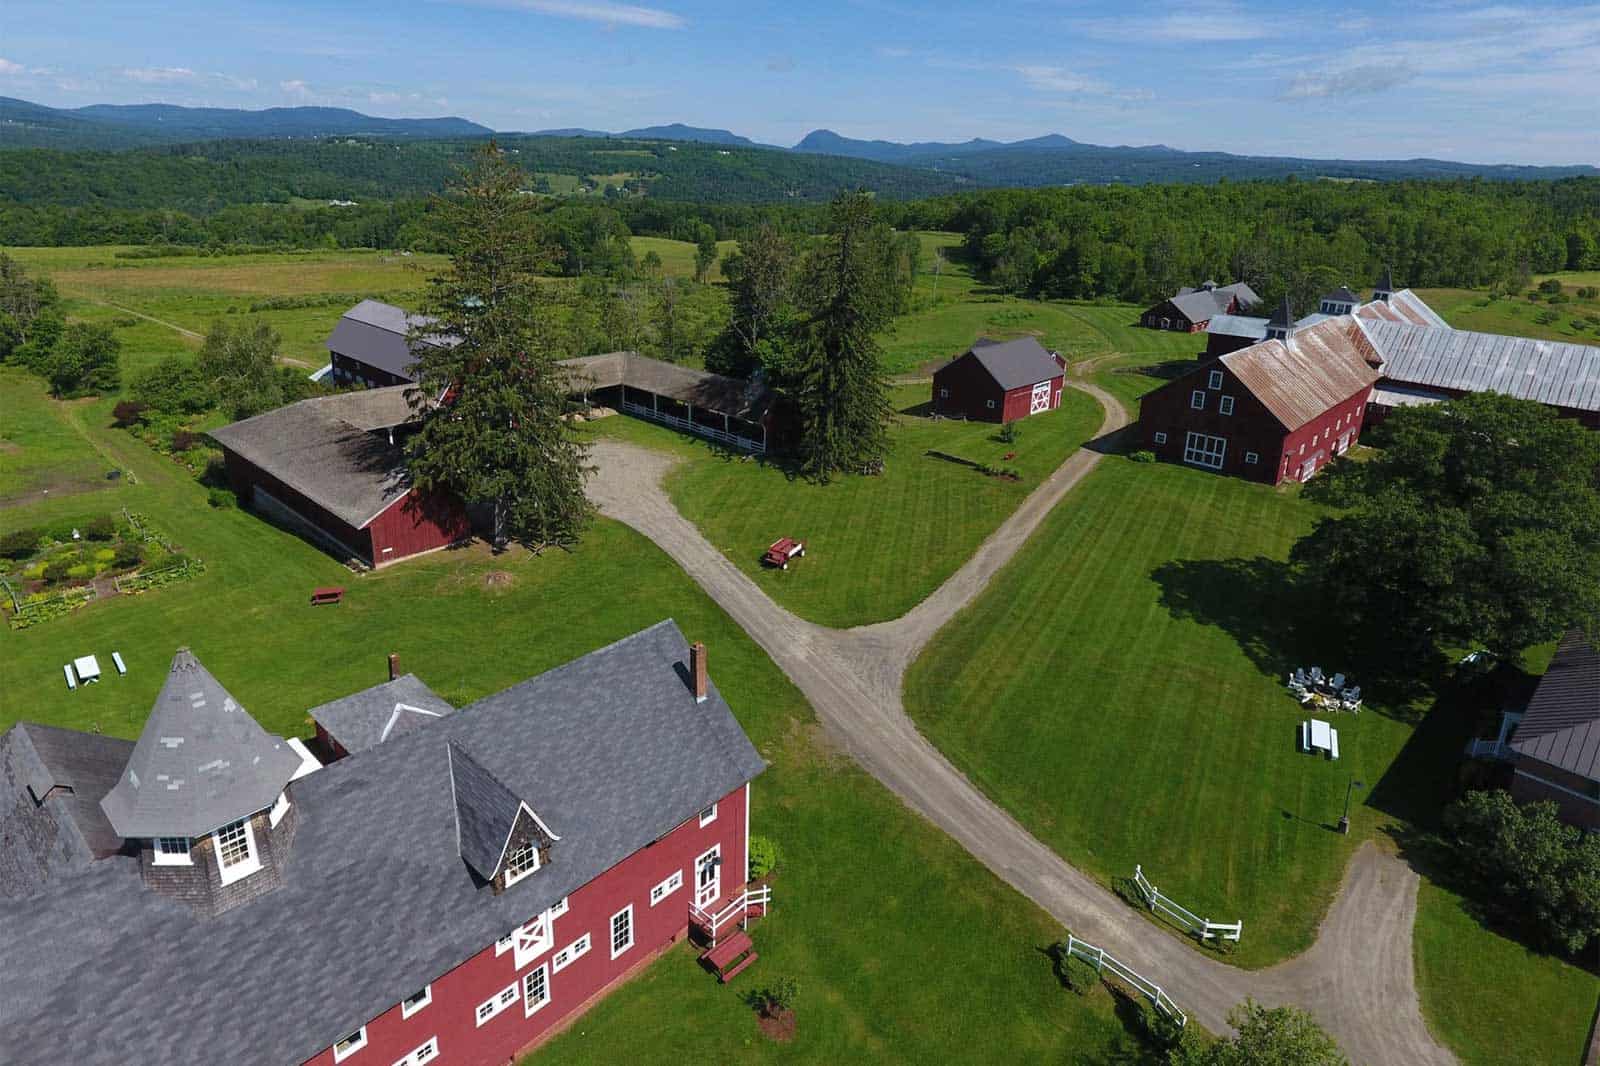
(1555, 373)
(1301, 378)
(1562, 723)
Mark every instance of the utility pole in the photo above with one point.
(1344, 820)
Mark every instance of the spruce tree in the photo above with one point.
(842, 392)
(501, 435)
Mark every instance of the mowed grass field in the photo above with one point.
(904, 947)
(1577, 321)
(875, 546)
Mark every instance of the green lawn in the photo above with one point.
(903, 945)
(40, 454)
(1117, 689)
(1577, 321)
(1484, 994)
(677, 257)
(875, 546)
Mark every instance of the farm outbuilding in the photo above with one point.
(733, 412)
(333, 468)
(373, 345)
(999, 381)
(1275, 411)
(1191, 309)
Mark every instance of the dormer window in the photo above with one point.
(236, 851)
(170, 851)
(521, 860)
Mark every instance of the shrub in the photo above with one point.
(1009, 433)
(183, 440)
(127, 413)
(20, 543)
(105, 555)
(763, 856)
(1550, 286)
(59, 568)
(1143, 455)
(173, 386)
(129, 554)
(100, 527)
(221, 499)
(1558, 298)
(779, 996)
(1588, 292)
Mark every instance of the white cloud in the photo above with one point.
(160, 75)
(1208, 24)
(8, 68)
(1051, 79)
(296, 88)
(1351, 81)
(612, 14)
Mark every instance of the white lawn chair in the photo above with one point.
(1316, 675)
(72, 681)
(1299, 678)
(1337, 681)
(1352, 699)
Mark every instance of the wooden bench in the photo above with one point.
(731, 956)
(327, 595)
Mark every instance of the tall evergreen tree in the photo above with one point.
(842, 391)
(501, 436)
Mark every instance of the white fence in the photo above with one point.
(736, 910)
(1159, 903)
(718, 435)
(1489, 749)
(1102, 962)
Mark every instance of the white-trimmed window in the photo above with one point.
(1214, 380)
(170, 851)
(622, 931)
(990, 404)
(426, 1053)
(521, 861)
(536, 990)
(343, 1049)
(560, 908)
(570, 954)
(1197, 399)
(496, 1003)
(1251, 458)
(1161, 438)
(504, 944)
(416, 1001)
(236, 851)
(708, 816)
(673, 882)
(944, 394)
(1225, 405)
(279, 809)
(1201, 449)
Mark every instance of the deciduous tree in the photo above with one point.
(1267, 1036)
(238, 365)
(84, 361)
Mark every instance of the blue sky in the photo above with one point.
(1477, 81)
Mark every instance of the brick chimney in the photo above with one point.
(394, 665)
(697, 667)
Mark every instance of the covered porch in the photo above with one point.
(719, 408)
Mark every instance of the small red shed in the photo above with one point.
(1000, 381)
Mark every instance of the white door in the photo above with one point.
(1040, 401)
(708, 878)
(1344, 444)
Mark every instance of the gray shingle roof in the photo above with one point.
(377, 333)
(1559, 374)
(486, 811)
(314, 448)
(611, 748)
(1562, 723)
(51, 783)
(1200, 305)
(200, 762)
(1014, 364)
(705, 390)
(367, 718)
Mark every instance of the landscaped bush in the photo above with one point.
(19, 543)
(1144, 455)
(1588, 292)
(184, 439)
(100, 527)
(763, 856)
(1550, 286)
(59, 569)
(127, 412)
(221, 499)
(127, 555)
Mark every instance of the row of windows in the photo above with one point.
(1197, 401)
(357, 1040)
(234, 845)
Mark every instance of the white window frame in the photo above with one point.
(1251, 458)
(1214, 380)
(559, 909)
(417, 1001)
(667, 886)
(279, 809)
(1205, 450)
(1161, 438)
(708, 815)
(427, 1051)
(360, 1041)
(529, 1008)
(229, 873)
(490, 1008)
(989, 404)
(1225, 405)
(515, 875)
(1197, 400)
(570, 954)
(626, 912)
(504, 944)
(163, 851)
(944, 394)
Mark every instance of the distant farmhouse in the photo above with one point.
(1192, 309)
(999, 381)
(457, 888)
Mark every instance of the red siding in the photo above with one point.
(452, 1015)
(964, 389)
(415, 524)
(245, 476)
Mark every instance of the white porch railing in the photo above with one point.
(1489, 749)
(718, 435)
(1102, 962)
(1160, 903)
(736, 909)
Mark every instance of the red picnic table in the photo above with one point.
(332, 594)
(782, 550)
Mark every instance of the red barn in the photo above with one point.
(1275, 411)
(995, 381)
(333, 468)
(1192, 309)
(456, 892)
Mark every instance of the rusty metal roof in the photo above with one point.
(1315, 369)
(1554, 373)
(1403, 306)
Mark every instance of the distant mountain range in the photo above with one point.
(1049, 160)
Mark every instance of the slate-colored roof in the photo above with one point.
(1385, 283)
(200, 762)
(314, 448)
(377, 334)
(701, 388)
(1238, 326)
(1283, 317)
(1200, 305)
(51, 783)
(1341, 295)
(1558, 374)
(1014, 364)
(1316, 368)
(367, 718)
(611, 748)
(486, 811)
(1562, 723)
(1243, 293)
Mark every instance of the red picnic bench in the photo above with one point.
(334, 594)
(731, 956)
(782, 550)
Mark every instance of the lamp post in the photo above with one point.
(1344, 819)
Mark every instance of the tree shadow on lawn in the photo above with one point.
(1275, 621)
(1166, 371)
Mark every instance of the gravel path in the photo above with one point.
(1357, 978)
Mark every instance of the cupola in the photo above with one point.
(1281, 324)
(1385, 286)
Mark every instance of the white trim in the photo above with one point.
(244, 867)
(495, 1004)
(559, 909)
(528, 1008)
(708, 815)
(418, 1000)
(512, 877)
(522, 805)
(160, 855)
(532, 939)
(990, 404)
(395, 717)
(504, 944)
(1225, 405)
(1205, 450)
(570, 954)
(714, 853)
(1251, 458)
(1559, 788)
(425, 1052)
(1161, 438)
(747, 832)
(1214, 380)
(279, 809)
(666, 887)
(611, 931)
(1197, 400)
(360, 1041)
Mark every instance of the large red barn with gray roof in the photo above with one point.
(999, 381)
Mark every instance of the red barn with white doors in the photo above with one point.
(996, 381)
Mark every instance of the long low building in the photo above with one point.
(728, 410)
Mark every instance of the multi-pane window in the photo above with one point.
(536, 989)
(233, 845)
(570, 954)
(667, 887)
(1251, 458)
(1197, 399)
(426, 1053)
(560, 908)
(622, 931)
(1225, 405)
(1214, 380)
(171, 851)
(343, 1049)
(1161, 438)
(708, 815)
(521, 861)
(416, 1001)
(1204, 450)
(497, 1003)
